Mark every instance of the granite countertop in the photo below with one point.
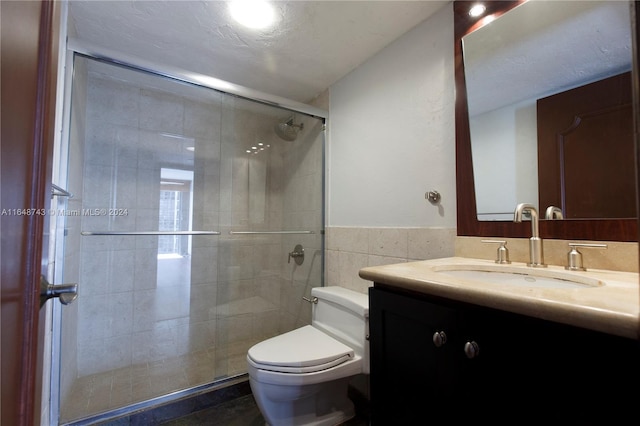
(608, 302)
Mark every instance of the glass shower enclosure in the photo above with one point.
(188, 205)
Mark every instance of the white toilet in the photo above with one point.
(301, 377)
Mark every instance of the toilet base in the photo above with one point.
(322, 404)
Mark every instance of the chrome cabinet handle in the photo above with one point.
(439, 338)
(471, 349)
(67, 293)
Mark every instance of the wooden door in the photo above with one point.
(586, 158)
(29, 35)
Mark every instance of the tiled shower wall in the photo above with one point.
(260, 289)
(127, 315)
(239, 289)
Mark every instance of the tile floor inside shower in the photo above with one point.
(111, 390)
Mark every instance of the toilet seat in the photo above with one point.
(304, 350)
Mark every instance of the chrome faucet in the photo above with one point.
(536, 256)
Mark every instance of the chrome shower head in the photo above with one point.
(287, 130)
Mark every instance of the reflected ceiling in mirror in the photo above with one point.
(535, 50)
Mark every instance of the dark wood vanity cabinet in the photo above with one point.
(524, 370)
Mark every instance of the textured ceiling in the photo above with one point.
(315, 43)
(544, 47)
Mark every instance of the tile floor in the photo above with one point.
(230, 406)
(242, 411)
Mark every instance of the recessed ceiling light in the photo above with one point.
(256, 14)
(477, 10)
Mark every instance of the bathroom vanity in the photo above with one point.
(448, 346)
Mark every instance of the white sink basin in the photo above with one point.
(518, 276)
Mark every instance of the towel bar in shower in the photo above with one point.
(269, 232)
(92, 233)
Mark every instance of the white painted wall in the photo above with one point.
(504, 146)
(391, 134)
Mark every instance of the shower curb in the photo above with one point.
(169, 407)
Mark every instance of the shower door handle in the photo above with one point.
(67, 293)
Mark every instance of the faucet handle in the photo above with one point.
(553, 212)
(574, 257)
(502, 252)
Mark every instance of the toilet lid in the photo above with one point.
(303, 350)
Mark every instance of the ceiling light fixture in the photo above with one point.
(256, 14)
(477, 10)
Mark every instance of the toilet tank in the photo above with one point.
(344, 315)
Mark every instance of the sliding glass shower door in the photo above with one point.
(187, 205)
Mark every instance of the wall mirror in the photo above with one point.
(501, 73)
(531, 53)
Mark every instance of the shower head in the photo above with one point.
(287, 130)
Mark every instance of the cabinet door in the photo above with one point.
(528, 371)
(414, 380)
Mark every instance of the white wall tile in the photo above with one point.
(112, 102)
(202, 120)
(161, 112)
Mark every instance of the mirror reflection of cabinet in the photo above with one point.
(468, 224)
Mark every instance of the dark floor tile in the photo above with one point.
(233, 406)
(241, 411)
